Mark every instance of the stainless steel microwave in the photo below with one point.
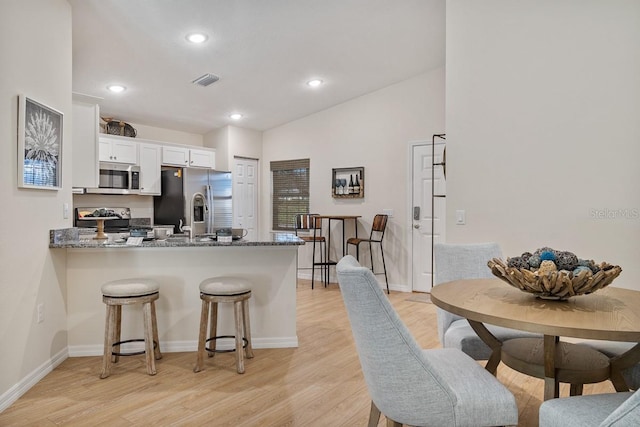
(117, 178)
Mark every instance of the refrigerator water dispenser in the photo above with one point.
(198, 205)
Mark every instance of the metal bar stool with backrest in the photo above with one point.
(311, 227)
(377, 234)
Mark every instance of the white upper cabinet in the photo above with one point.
(188, 157)
(118, 150)
(149, 163)
(202, 158)
(175, 156)
(84, 167)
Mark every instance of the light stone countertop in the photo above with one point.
(71, 238)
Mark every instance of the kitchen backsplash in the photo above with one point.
(141, 206)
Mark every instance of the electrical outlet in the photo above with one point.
(388, 212)
(40, 313)
(65, 211)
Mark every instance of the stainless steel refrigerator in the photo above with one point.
(199, 198)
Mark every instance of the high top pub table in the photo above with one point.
(342, 218)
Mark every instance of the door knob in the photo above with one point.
(416, 226)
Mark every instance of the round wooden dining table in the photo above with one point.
(611, 314)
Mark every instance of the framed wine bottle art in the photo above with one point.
(347, 183)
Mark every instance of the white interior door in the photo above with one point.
(422, 217)
(245, 195)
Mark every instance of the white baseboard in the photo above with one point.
(31, 379)
(184, 346)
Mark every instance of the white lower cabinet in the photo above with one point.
(149, 161)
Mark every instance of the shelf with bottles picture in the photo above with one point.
(348, 183)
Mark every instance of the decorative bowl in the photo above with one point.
(552, 283)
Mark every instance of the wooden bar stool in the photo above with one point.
(219, 290)
(117, 293)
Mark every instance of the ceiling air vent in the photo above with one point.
(206, 79)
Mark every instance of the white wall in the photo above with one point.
(543, 107)
(168, 135)
(231, 141)
(219, 139)
(245, 143)
(371, 131)
(35, 47)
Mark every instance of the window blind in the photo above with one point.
(290, 180)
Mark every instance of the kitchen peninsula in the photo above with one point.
(179, 264)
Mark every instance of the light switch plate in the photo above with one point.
(388, 212)
(461, 217)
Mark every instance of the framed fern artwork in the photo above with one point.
(39, 145)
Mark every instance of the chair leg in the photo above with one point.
(391, 423)
(109, 326)
(313, 264)
(374, 415)
(371, 256)
(326, 265)
(154, 323)
(202, 337)
(213, 327)
(247, 328)
(575, 390)
(148, 339)
(237, 309)
(384, 268)
(116, 334)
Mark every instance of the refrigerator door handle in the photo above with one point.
(209, 196)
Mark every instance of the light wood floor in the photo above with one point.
(317, 384)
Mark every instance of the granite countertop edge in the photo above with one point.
(70, 238)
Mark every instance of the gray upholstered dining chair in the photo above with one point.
(437, 387)
(596, 410)
(467, 261)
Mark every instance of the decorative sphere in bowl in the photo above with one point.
(552, 274)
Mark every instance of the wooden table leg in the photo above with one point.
(620, 363)
(551, 385)
(494, 344)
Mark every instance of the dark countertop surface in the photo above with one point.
(73, 239)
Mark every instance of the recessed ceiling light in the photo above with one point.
(197, 38)
(235, 116)
(116, 88)
(314, 82)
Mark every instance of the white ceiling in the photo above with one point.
(264, 52)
